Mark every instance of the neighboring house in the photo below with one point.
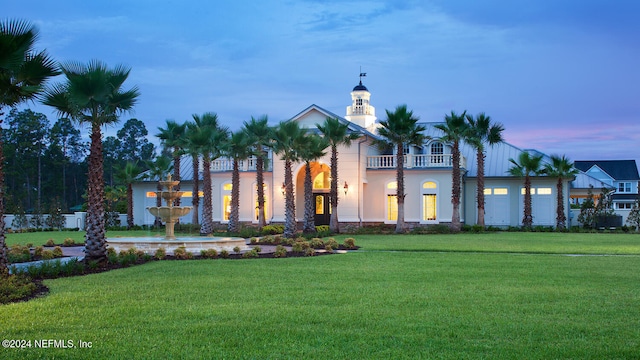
(621, 178)
(367, 179)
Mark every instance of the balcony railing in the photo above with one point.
(413, 161)
(225, 164)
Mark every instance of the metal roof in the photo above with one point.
(617, 169)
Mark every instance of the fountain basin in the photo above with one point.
(169, 212)
(192, 244)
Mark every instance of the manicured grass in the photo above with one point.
(364, 304)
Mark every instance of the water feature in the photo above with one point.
(170, 215)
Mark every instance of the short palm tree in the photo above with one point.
(93, 94)
(526, 166)
(481, 132)
(399, 130)
(128, 175)
(288, 138)
(158, 170)
(173, 136)
(312, 149)
(210, 138)
(23, 73)
(260, 139)
(562, 168)
(455, 129)
(237, 148)
(336, 133)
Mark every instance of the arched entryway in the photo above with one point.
(320, 178)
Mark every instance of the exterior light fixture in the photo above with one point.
(283, 189)
(346, 188)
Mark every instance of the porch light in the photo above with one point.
(346, 188)
(283, 189)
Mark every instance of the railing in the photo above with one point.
(412, 161)
(225, 164)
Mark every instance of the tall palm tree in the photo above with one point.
(210, 138)
(173, 136)
(455, 129)
(23, 73)
(128, 175)
(336, 134)
(260, 137)
(562, 168)
(312, 149)
(400, 129)
(287, 141)
(481, 132)
(93, 94)
(237, 148)
(526, 166)
(158, 170)
(192, 148)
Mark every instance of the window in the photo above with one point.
(226, 207)
(624, 206)
(429, 185)
(429, 207)
(392, 185)
(624, 187)
(501, 191)
(437, 152)
(544, 191)
(533, 191)
(392, 207)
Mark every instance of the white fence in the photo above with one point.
(75, 220)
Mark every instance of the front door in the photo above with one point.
(322, 208)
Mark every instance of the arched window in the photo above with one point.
(429, 192)
(437, 153)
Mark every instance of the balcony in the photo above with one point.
(226, 164)
(413, 161)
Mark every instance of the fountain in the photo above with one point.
(170, 215)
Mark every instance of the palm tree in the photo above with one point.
(238, 149)
(128, 175)
(455, 129)
(527, 165)
(93, 94)
(173, 136)
(481, 132)
(400, 129)
(561, 168)
(260, 137)
(312, 148)
(23, 73)
(287, 140)
(209, 139)
(192, 148)
(336, 134)
(158, 170)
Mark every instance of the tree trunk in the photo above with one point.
(260, 183)
(234, 216)
(400, 226)
(4, 261)
(290, 204)
(195, 199)
(480, 187)
(158, 222)
(455, 191)
(176, 174)
(527, 220)
(95, 244)
(207, 210)
(334, 226)
(561, 218)
(129, 206)
(309, 214)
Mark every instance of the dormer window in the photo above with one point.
(624, 187)
(437, 152)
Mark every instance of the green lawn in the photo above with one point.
(442, 296)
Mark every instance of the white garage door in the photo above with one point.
(496, 206)
(542, 206)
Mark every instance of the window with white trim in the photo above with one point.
(624, 187)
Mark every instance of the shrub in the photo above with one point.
(112, 258)
(50, 243)
(29, 245)
(18, 253)
(280, 252)
(57, 251)
(257, 248)
(350, 243)
(277, 239)
(328, 248)
(209, 253)
(332, 242)
(268, 239)
(248, 231)
(111, 250)
(272, 229)
(47, 255)
(182, 253)
(255, 240)
(300, 246)
(317, 243)
(38, 251)
(236, 249)
(161, 253)
(224, 254)
(251, 254)
(309, 252)
(322, 230)
(16, 287)
(68, 242)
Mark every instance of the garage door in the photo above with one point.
(496, 206)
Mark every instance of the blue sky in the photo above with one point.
(562, 76)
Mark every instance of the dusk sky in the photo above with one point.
(563, 76)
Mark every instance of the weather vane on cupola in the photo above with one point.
(362, 75)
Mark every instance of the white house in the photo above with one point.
(367, 181)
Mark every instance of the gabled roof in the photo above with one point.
(351, 126)
(616, 169)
